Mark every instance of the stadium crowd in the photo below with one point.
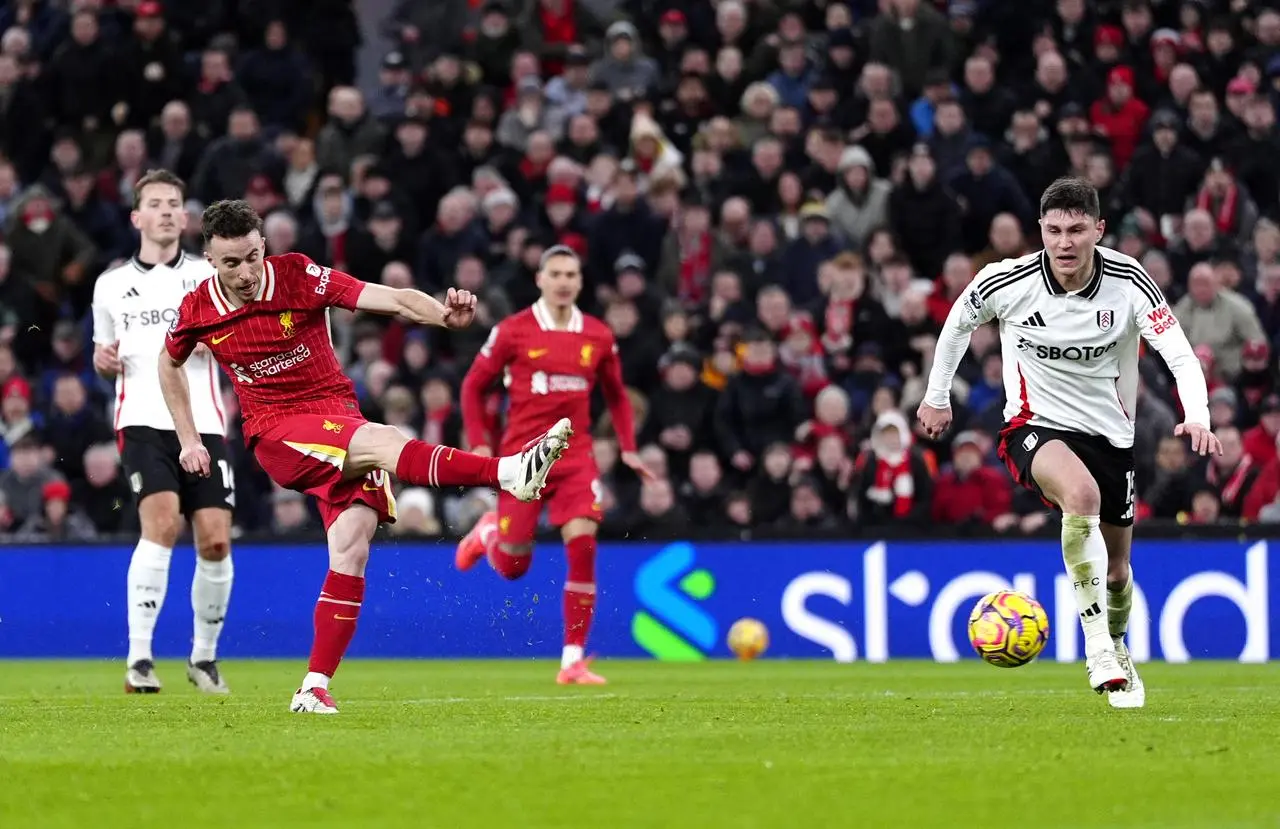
(777, 203)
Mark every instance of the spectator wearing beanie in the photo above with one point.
(761, 404)
(624, 69)
(803, 256)
(56, 521)
(860, 202)
(971, 492)
(682, 408)
(1119, 116)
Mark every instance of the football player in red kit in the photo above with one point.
(265, 318)
(551, 356)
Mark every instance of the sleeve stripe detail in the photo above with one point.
(995, 283)
(1138, 277)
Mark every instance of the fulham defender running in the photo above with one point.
(551, 355)
(1070, 318)
(133, 306)
(266, 320)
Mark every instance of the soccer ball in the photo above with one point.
(1008, 628)
(748, 638)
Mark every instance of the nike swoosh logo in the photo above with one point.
(345, 618)
(535, 353)
(368, 487)
(217, 340)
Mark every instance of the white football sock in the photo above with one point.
(509, 471)
(210, 593)
(315, 680)
(1085, 555)
(570, 655)
(1119, 602)
(147, 582)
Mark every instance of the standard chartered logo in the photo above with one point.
(670, 624)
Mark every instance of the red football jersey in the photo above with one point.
(276, 348)
(549, 373)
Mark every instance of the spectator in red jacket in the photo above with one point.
(970, 492)
(1119, 116)
(1260, 441)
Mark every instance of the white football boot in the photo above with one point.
(1134, 694)
(206, 677)
(1105, 672)
(140, 678)
(525, 474)
(313, 701)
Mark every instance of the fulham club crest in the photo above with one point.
(1105, 319)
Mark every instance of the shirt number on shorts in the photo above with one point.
(228, 477)
(1129, 497)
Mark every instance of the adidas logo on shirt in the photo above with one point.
(1034, 321)
(131, 294)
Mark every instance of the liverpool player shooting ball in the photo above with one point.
(552, 355)
(266, 321)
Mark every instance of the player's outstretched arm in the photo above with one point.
(457, 310)
(971, 310)
(194, 457)
(1162, 332)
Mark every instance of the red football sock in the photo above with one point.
(428, 464)
(336, 612)
(579, 589)
(505, 564)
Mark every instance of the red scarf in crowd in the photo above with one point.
(695, 268)
(1225, 216)
(433, 426)
(1230, 488)
(896, 478)
(533, 171)
(837, 324)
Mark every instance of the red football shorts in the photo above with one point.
(572, 491)
(306, 452)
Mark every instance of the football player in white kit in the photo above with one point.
(133, 307)
(1070, 319)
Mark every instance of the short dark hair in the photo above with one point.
(1071, 194)
(230, 219)
(157, 177)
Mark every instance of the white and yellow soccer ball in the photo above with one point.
(1008, 629)
(748, 638)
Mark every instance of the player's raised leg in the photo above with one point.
(1065, 480)
(1119, 603)
(579, 602)
(338, 608)
(210, 596)
(147, 583)
(376, 446)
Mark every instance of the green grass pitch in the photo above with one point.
(763, 744)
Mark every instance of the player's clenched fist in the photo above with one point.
(933, 421)
(195, 459)
(459, 308)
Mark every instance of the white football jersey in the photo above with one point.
(134, 304)
(1071, 359)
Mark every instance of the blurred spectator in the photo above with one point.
(860, 202)
(289, 514)
(277, 79)
(660, 516)
(218, 94)
(175, 145)
(57, 521)
(351, 131)
(913, 38)
(892, 483)
(22, 484)
(1233, 474)
(682, 408)
(149, 68)
(1217, 317)
(416, 513)
(104, 493)
(231, 161)
(760, 405)
(971, 492)
(1170, 492)
(624, 69)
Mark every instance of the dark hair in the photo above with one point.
(230, 219)
(157, 177)
(1071, 195)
